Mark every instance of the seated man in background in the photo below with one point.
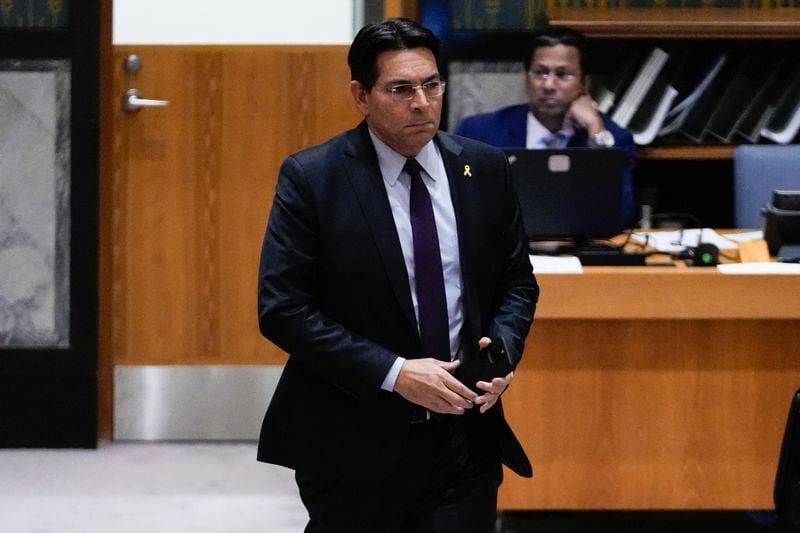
(560, 113)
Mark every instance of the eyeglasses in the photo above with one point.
(561, 76)
(406, 91)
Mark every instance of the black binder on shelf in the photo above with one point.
(652, 112)
(649, 118)
(607, 88)
(699, 71)
(753, 73)
(696, 122)
(756, 116)
(783, 124)
(635, 92)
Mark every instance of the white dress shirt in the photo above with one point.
(398, 189)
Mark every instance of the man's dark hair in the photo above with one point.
(555, 35)
(378, 37)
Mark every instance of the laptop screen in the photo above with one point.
(568, 193)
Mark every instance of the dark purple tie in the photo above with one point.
(431, 300)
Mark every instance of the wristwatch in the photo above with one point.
(602, 139)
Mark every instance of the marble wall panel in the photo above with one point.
(34, 203)
(482, 86)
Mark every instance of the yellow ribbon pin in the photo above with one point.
(467, 171)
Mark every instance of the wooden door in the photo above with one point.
(187, 192)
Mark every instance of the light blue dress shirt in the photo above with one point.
(537, 136)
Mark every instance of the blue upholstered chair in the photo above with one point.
(758, 170)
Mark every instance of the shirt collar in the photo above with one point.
(392, 163)
(537, 132)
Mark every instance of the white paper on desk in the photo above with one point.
(747, 236)
(760, 268)
(677, 241)
(548, 264)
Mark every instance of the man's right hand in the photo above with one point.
(430, 383)
(582, 113)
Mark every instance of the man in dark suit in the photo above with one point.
(560, 113)
(393, 251)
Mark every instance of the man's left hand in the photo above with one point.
(493, 388)
(583, 114)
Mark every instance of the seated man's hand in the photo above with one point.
(582, 114)
(430, 383)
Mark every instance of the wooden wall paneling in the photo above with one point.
(293, 99)
(401, 8)
(256, 103)
(205, 211)
(163, 289)
(193, 183)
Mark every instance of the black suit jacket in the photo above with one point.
(334, 294)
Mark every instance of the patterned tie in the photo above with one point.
(431, 300)
(555, 140)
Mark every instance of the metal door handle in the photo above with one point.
(133, 102)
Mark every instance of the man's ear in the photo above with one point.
(360, 97)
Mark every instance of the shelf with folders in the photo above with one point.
(702, 80)
(701, 97)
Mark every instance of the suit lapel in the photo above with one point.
(465, 204)
(517, 128)
(363, 172)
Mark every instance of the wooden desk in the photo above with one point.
(655, 388)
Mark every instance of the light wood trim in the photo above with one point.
(694, 23)
(666, 293)
(685, 152)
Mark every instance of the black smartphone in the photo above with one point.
(491, 362)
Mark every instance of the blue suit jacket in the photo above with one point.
(334, 294)
(507, 128)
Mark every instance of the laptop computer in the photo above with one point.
(573, 193)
